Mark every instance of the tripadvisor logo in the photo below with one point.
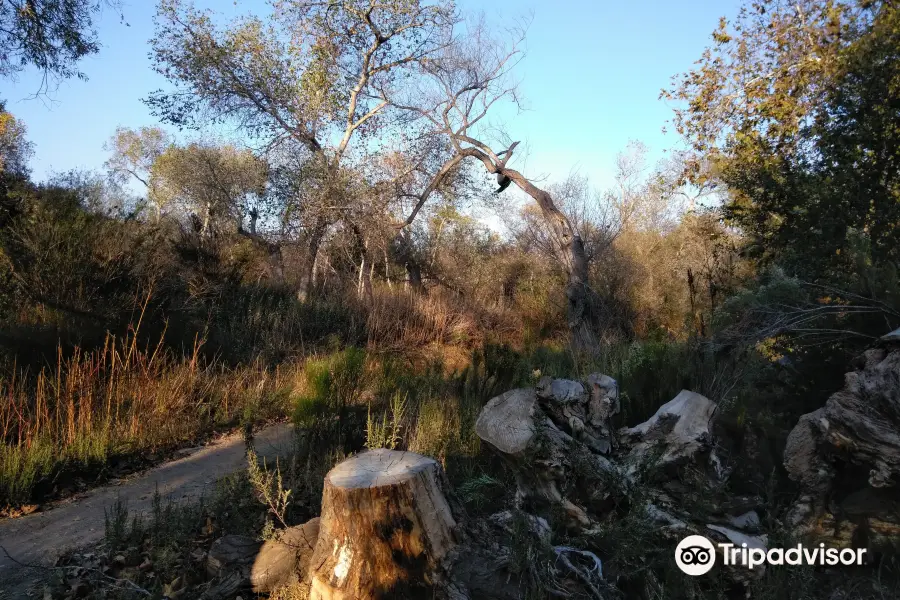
(696, 555)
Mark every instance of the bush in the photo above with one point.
(330, 386)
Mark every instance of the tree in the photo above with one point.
(766, 76)
(52, 35)
(424, 166)
(214, 182)
(134, 153)
(460, 86)
(15, 149)
(311, 79)
(794, 109)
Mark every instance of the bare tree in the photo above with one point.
(460, 86)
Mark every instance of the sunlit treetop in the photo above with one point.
(50, 35)
(316, 73)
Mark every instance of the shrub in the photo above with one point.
(329, 387)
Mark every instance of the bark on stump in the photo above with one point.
(385, 526)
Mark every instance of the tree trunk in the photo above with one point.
(414, 274)
(315, 240)
(254, 216)
(385, 527)
(207, 215)
(404, 255)
(581, 308)
(362, 275)
(581, 305)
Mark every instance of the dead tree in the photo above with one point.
(460, 86)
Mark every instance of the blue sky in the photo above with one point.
(591, 77)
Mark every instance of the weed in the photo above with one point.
(385, 433)
(121, 400)
(269, 487)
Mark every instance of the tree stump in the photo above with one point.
(385, 526)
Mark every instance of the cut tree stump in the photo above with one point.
(385, 526)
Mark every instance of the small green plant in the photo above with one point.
(269, 487)
(475, 491)
(385, 433)
(531, 557)
(115, 525)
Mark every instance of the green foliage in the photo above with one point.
(21, 468)
(330, 386)
(15, 149)
(795, 112)
(269, 487)
(479, 490)
(51, 35)
(215, 182)
(531, 557)
(386, 432)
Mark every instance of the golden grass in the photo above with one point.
(122, 399)
(398, 321)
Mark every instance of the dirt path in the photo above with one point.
(39, 538)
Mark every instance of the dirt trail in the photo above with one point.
(39, 538)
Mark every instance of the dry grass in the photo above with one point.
(398, 320)
(118, 400)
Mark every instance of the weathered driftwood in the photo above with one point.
(385, 527)
(679, 430)
(517, 425)
(859, 425)
(845, 456)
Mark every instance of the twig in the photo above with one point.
(116, 582)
